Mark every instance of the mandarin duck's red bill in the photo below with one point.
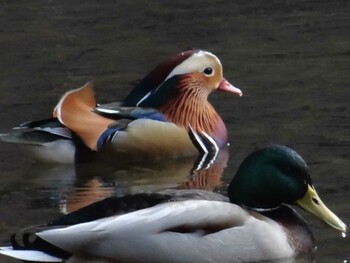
(167, 114)
(228, 87)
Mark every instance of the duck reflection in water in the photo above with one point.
(100, 179)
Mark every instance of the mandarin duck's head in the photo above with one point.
(201, 70)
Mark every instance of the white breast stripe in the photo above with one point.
(200, 164)
(198, 139)
(213, 142)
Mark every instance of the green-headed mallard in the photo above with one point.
(256, 223)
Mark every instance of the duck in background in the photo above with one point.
(166, 115)
(255, 222)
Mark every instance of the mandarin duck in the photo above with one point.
(166, 115)
(254, 222)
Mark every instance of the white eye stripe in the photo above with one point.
(198, 62)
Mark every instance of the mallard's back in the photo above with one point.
(176, 231)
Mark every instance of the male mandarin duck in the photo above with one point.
(254, 223)
(166, 114)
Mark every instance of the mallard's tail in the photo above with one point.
(29, 255)
(75, 111)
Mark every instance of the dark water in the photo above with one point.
(290, 58)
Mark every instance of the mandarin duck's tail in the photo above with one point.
(75, 111)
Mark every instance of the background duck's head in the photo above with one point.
(278, 175)
(186, 62)
(208, 67)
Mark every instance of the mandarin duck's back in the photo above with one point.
(167, 114)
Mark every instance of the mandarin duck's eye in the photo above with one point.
(208, 71)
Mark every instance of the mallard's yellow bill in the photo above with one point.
(312, 203)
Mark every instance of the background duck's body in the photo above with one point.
(193, 225)
(166, 115)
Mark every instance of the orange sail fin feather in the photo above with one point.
(74, 110)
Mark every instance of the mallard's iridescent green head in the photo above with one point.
(269, 177)
(278, 175)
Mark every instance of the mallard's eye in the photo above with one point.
(208, 71)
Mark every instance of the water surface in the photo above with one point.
(290, 58)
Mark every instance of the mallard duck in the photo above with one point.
(166, 115)
(254, 222)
